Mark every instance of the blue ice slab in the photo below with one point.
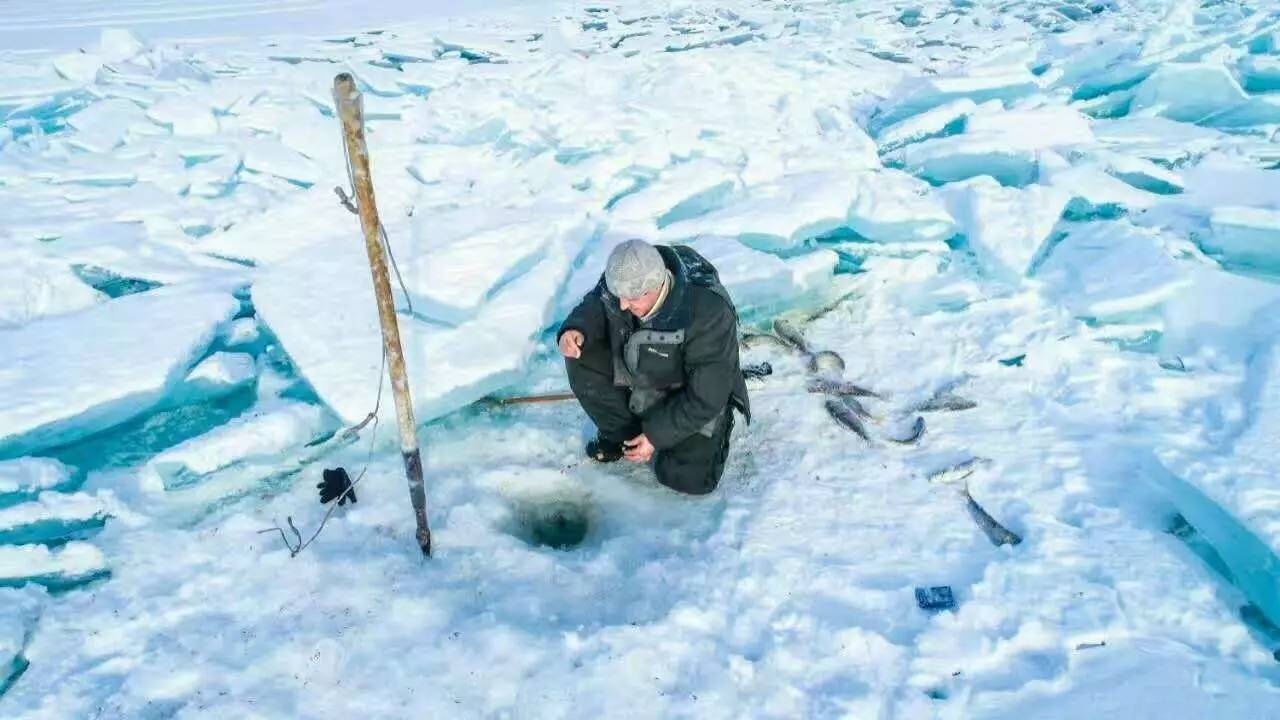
(25, 478)
(111, 284)
(1244, 237)
(63, 568)
(54, 517)
(9, 675)
(920, 94)
(137, 441)
(1252, 565)
(51, 531)
(1260, 73)
(58, 392)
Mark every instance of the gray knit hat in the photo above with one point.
(635, 267)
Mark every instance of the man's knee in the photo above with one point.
(690, 478)
(695, 466)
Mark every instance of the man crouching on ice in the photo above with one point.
(652, 356)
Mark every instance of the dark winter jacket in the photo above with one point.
(682, 364)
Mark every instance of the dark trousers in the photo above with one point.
(694, 466)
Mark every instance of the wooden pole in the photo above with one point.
(533, 399)
(351, 112)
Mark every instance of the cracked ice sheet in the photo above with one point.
(319, 303)
(29, 476)
(67, 564)
(1115, 270)
(67, 509)
(1005, 227)
(457, 259)
(33, 286)
(267, 429)
(1006, 145)
(778, 216)
(58, 392)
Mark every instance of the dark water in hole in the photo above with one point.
(560, 525)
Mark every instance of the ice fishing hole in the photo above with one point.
(557, 524)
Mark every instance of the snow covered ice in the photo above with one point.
(1050, 229)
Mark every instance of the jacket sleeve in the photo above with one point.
(587, 318)
(711, 370)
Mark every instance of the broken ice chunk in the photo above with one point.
(29, 476)
(312, 217)
(117, 45)
(33, 286)
(1004, 145)
(1113, 270)
(682, 192)
(376, 80)
(780, 215)
(1140, 173)
(1034, 128)
(1005, 227)
(891, 205)
(946, 119)
(102, 126)
(214, 178)
(319, 303)
(218, 375)
(1260, 73)
(90, 170)
(54, 516)
(72, 564)
(240, 333)
(80, 67)
(120, 258)
(270, 157)
(960, 157)
(460, 258)
(1245, 236)
(472, 46)
(919, 94)
(760, 282)
(1157, 138)
(1093, 191)
(57, 392)
(27, 89)
(1218, 320)
(1259, 110)
(1219, 180)
(184, 115)
(268, 430)
(1188, 92)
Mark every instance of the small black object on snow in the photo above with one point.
(336, 484)
(935, 598)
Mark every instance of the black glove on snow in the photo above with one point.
(335, 483)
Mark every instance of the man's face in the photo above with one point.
(640, 306)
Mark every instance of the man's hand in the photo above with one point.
(571, 344)
(639, 449)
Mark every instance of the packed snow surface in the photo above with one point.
(1046, 234)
